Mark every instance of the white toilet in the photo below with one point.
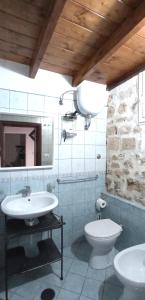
(129, 265)
(102, 235)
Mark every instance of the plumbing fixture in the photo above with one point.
(88, 102)
(50, 187)
(68, 134)
(62, 96)
(48, 294)
(26, 192)
(98, 216)
(70, 116)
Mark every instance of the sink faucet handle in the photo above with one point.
(50, 187)
(28, 189)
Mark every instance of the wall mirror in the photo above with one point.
(26, 141)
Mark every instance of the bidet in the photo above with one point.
(129, 266)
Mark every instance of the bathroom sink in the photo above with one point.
(30, 207)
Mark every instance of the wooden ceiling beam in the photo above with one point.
(132, 24)
(128, 75)
(54, 11)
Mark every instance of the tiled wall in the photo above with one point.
(75, 157)
(130, 215)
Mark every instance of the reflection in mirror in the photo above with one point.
(25, 141)
(14, 149)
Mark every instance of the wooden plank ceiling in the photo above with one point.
(101, 41)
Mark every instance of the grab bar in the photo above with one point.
(75, 180)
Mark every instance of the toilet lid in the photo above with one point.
(102, 228)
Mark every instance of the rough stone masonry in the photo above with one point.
(125, 144)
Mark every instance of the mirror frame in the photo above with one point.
(43, 120)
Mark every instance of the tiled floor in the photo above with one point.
(80, 281)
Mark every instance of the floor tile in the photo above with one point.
(66, 265)
(74, 282)
(111, 277)
(96, 274)
(44, 286)
(17, 297)
(67, 295)
(28, 290)
(79, 267)
(52, 279)
(112, 292)
(92, 289)
(67, 252)
(84, 298)
(82, 250)
(12, 296)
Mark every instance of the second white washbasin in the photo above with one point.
(33, 206)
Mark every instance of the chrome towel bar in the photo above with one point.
(75, 180)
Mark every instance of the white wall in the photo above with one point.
(15, 76)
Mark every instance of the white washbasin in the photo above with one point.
(33, 206)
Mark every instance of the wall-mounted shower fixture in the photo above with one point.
(68, 134)
(70, 116)
(62, 96)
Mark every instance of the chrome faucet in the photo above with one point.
(27, 191)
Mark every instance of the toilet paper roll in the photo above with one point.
(100, 203)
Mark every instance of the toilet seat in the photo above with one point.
(103, 229)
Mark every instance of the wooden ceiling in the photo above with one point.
(98, 40)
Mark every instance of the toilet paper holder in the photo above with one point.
(100, 204)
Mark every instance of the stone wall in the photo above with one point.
(125, 144)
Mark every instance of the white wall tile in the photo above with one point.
(78, 151)
(101, 150)
(67, 107)
(93, 124)
(70, 125)
(79, 123)
(54, 170)
(90, 137)
(90, 165)
(64, 166)
(56, 151)
(64, 151)
(51, 106)
(4, 110)
(100, 138)
(101, 165)
(79, 139)
(103, 113)
(18, 100)
(101, 125)
(56, 137)
(35, 102)
(90, 151)
(4, 98)
(78, 165)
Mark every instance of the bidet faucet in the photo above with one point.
(27, 191)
